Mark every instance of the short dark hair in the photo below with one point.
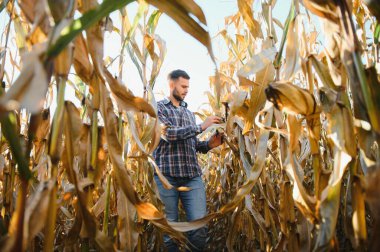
(176, 74)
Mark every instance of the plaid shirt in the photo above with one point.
(176, 153)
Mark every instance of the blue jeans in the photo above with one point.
(194, 204)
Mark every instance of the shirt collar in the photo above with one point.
(168, 101)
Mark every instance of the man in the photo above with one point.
(176, 157)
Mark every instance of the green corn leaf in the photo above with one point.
(8, 126)
(291, 16)
(83, 23)
(377, 33)
(3, 5)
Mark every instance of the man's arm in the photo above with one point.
(214, 141)
(202, 146)
(174, 133)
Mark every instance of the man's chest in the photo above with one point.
(180, 117)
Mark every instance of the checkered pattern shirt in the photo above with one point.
(176, 153)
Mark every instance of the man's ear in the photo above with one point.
(171, 84)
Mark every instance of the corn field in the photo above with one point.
(299, 169)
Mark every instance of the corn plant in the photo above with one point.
(299, 167)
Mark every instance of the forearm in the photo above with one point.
(181, 133)
(202, 146)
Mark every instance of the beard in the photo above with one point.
(176, 95)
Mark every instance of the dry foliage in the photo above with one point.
(299, 167)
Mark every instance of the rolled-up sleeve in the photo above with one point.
(174, 133)
(202, 146)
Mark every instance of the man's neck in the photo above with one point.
(174, 101)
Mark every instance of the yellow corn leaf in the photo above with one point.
(341, 129)
(258, 62)
(128, 234)
(99, 206)
(149, 45)
(14, 240)
(256, 215)
(292, 60)
(41, 134)
(157, 60)
(323, 72)
(124, 97)
(134, 131)
(115, 150)
(247, 14)
(257, 95)
(192, 225)
(89, 227)
(148, 211)
(62, 63)
(59, 8)
(372, 197)
(165, 226)
(155, 127)
(256, 168)
(291, 99)
(305, 203)
(82, 64)
(295, 129)
(325, 9)
(373, 7)
(359, 211)
(233, 230)
(330, 200)
(144, 209)
(166, 184)
(236, 100)
(242, 150)
(278, 23)
(95, 43)
(244, 82)
(21, 33)
(36, 211)
(181, 11)
(29, 90)
(194, 9)
(270, 20)
(36, 13)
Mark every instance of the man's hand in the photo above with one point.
(215, 140)
(210, 121)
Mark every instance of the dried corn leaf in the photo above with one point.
(292, 60)
(247, 14)
(258, 62)
(124, 97)
(256, 168)
(36, 211)
(82, 64)
(128, 234)
(29, 90)
(181, 11)
(291, 99)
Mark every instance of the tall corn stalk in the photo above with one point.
(312, 161)
(57, 169)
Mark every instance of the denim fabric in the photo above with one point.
(194, 203)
